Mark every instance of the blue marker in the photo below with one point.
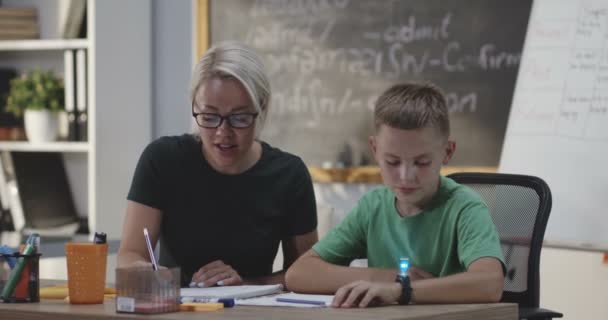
(301, 301)
(404, 264)
(7, 254)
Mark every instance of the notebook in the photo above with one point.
(236, 292)
(290, 300)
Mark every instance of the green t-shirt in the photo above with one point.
(452, 232)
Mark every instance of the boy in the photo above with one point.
(443, 228)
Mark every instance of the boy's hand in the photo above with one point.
(216, 273)
(364, 293)
(418, 274)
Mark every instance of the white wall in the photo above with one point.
(574, 283)
(146, 72)
(172, 66)
(123, 87)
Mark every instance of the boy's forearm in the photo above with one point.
(466, 287)
(313, 275)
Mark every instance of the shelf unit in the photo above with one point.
(43, 45)
(26, 55)
(119, 105)
(81, 147)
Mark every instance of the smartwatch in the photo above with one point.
(406, 291)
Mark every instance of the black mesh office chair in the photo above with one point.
(520, 206)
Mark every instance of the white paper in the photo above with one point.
(271, 301)
(237, 292)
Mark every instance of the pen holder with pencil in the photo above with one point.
(19, 277)
(144, 290)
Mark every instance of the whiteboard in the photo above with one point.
(558, 123)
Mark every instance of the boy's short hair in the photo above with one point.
(413, 106)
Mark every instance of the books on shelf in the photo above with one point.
(18, 23)
(70, 131)
(75, 89)
(81, 95)
(72, 15)
(11, 127)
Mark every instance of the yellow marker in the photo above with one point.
(57, 292)
(61, 292)
(199, 306)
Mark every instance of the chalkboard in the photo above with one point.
(558, 126)
(329, 60)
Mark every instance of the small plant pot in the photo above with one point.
(41, 125)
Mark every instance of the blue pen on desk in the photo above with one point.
(301, 301)
(228, 302)
(31, 246)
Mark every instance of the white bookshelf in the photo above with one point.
(43, 44)
(47, 53)
(80, 147)
(119, 95)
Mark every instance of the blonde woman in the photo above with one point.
(220, 201)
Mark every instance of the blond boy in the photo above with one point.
(443, 228)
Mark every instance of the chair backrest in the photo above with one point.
(520, 206)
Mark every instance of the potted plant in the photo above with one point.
(38, 96)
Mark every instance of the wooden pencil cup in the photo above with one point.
(86, 272)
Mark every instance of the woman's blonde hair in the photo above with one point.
(234, 60)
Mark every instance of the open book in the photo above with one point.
(236, 292)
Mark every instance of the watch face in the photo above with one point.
(404, 264)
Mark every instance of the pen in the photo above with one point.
(228, 302)
(289, 300)
(13, 278)
(150, 251)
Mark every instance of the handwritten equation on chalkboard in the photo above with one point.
(329, 60)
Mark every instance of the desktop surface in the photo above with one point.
(62, 310)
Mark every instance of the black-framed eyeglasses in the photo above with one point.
(236, 120)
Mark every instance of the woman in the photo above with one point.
(220, 201)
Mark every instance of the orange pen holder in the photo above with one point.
(86, 264)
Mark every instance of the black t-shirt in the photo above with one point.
(207, 215)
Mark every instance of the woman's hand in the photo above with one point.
(216, 273)
(364, 293)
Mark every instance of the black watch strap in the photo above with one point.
(406, 291)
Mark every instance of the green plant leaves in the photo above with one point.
(37, 90)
